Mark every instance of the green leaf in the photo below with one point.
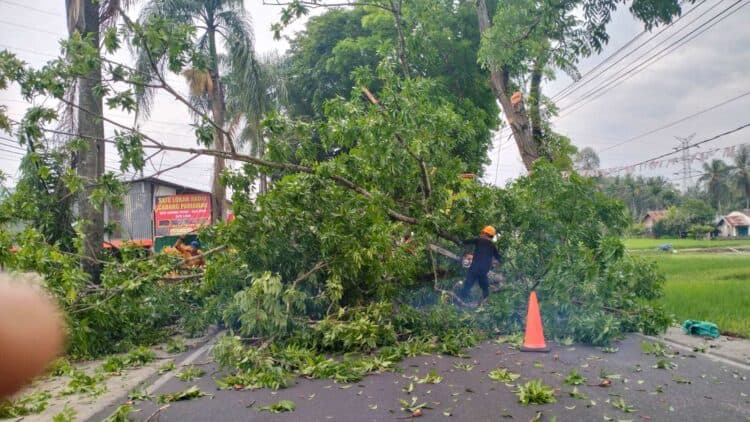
(279, 407)
(188, 394)
(26, 405)
(574, 378)
(110, 40)
(191, 373)
(68, 414)
(169, 366)
(139, 395)
(535, 392)
(120, 415)
(503, 375)
(620, 403)
(432, 378)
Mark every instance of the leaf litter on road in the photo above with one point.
(189, 394)
(503, 375)
(279, 407)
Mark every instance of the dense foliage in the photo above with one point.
(335, 257)
(440, 41)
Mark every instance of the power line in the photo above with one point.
(27, 7)
(10, 47)
(12, 152)
(668, 125)
(629, 73)
(10, 144)
(582, 82)
(653, 59)
(676, 150)
(653, 47)
(30, 28)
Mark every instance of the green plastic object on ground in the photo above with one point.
(701, 328)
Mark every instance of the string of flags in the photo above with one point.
(726, 152)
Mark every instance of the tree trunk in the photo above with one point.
(83, 17)
(512, 104)
(218, 108)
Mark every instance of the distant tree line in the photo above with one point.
(720, 188)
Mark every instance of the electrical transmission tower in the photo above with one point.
(687, 169)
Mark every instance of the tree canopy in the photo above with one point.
(440, 42)
(364, 192)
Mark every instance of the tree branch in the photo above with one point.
(319, 266)
(178, 165)
(180, 278)
(438, 289)
(112, 122)
(204, 254)
(316, 4)
(167, 87)
(426, 185)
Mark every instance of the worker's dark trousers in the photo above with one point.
(471, 278)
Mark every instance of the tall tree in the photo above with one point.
(586, 160)
(428, 38)
(84, 18)
(641, 194)
(715, 178)
(741, 173)
(250, 97)
(221, 25)
(524, 40)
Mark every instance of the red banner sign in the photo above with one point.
(181, 214)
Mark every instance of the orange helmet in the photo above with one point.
(488, 230)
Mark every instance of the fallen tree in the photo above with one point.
(329, 239)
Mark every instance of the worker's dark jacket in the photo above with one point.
(484, 251)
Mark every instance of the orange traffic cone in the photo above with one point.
(533, 341)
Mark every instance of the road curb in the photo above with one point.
(107, 408)
(711, 354)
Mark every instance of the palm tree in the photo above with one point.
(249, 99)
(741, 172)
(715, 177)
(217, 21)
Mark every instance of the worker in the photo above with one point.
(190, 251)
(484, 252)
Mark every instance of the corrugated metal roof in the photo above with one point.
(134, 178)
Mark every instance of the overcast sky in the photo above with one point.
(709, 70)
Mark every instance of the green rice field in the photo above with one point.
(708, 286)
(645, 243)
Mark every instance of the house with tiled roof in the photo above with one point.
(734, 224)
(651, 218)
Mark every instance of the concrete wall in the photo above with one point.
(725, 230)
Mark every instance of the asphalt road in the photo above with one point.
(697, 389)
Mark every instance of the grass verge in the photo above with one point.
(710, 287)
(645, 243)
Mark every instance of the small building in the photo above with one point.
(734, 224)
(651, 218)
(135, 221)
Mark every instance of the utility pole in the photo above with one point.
(687, 168)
